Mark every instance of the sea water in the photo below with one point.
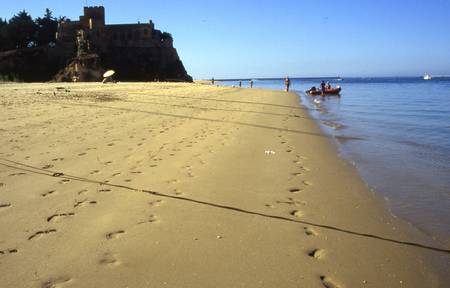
(404, 149)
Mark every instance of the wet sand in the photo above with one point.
(188, 185)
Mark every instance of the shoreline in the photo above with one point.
(345, 150)
(235, 213)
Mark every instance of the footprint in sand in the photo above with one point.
(115, 234)
(64, 181)
(82, 154)
(295, 190)
(81, 192)
(150, 219)
(55, 217)
(177, 192)
(116, 174)
(48, 166)
(41, 233)
(155, 203)
(316, 253)
(297, 213)
(292, 201)
(5, 205)
(56, 282)
(48, 193)
(17, 174)
(310, 232)
(328, 283)
(307, 183)
(84, 203)
(109, 259)
(93, 172)
(8, 251)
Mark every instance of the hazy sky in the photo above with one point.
(274, 38)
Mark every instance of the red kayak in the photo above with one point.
(331, 91)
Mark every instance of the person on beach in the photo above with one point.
(240, 84)
(287, 83)
(322, 86)
(251, 83)
(328, 86)
(212, 81)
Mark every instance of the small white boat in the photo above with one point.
(427, 77)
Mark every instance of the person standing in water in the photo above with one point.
(287, 83)
(251, 83)
(322, 86)
(240, 84)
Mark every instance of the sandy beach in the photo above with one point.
(189, 185)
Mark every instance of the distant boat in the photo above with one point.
(339, 78)
(427, 77)
(327, 92)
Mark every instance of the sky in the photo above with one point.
(276, 38)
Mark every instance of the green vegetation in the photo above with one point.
(166, 36)
(21, 31)
(9, 78)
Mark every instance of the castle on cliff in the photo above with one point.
(86, 48)
(100, 36)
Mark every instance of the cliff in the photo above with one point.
(43, 64)
(82, 50)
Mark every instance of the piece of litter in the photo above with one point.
(269, 152)
(219, 237)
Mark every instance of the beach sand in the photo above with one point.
(188, 185)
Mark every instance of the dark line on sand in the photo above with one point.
(211, 120)
(223, 100)
(50, 173)
(218, 109)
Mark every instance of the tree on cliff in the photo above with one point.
(5, 41)
(47, 27)
(22, 30)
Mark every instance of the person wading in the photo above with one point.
(287, 83)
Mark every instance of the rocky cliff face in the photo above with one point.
(145, 64)
(31, 64)
(130, 63)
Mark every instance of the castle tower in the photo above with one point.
(93, 18)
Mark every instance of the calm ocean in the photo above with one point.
(404, 154)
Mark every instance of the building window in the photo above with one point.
(137, 35)
(145, 32)
(130, 35)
